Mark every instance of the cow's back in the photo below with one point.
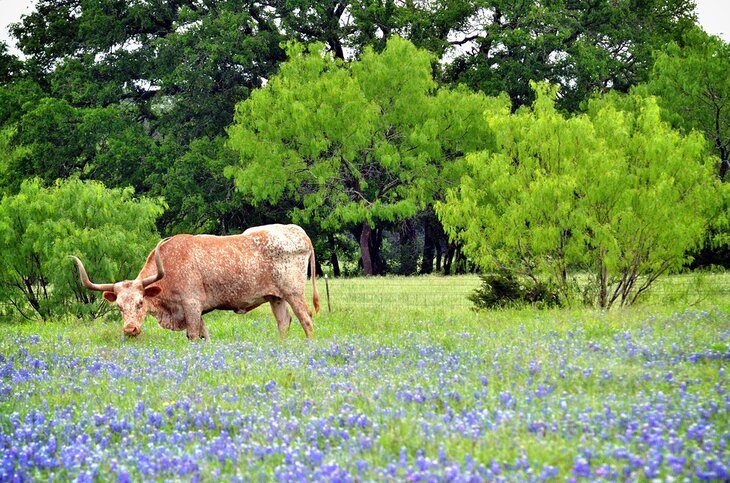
(233, 271)
(284, 251)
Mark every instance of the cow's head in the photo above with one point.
(130, 295)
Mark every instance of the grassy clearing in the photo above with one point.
(403, 380)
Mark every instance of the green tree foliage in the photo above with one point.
(126, 88)
(54, 140)
(634, 220)
(10, 65)
(358, 144)
(350, 26)
(139, 94)
(692, 80)
(602, 192)
(40, 227)
(184, 64)
(218, 52)
(202, 199)
(581, 46)
(14, 96)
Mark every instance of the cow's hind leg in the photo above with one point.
(283, 319)
(299, 306)
(194, 320)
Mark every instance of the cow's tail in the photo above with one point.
(313, 269)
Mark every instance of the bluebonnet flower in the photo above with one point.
(194, 415)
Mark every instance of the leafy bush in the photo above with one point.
(601, 191)
(504, 289)
(39, 227)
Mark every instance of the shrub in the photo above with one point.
(601, 191)
(40, 227)
(504, 289)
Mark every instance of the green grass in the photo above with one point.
(393, 305)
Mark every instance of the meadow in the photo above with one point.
(402, 382)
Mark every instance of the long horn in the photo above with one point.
(160, 268)
(102, 287)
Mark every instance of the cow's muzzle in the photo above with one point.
(132, 330)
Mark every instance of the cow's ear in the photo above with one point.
(152, 291)
(110, 296)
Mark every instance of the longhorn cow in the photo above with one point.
(186, 276)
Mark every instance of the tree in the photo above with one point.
(118, 91)
(201, 199)
(40, 227)
(632, 219)
(581, 46)
(601, 191)
(183, 63)
(54, 140)
(10, 65)
(346, 28)
(514, 208)
(218, 52)
(692, 81)
(357, 145)
(127, 87)
(13, 99)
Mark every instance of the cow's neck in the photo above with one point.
(169, 316)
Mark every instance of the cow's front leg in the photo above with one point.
(194, 320)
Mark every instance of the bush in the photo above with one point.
(504, 289)
(39, 227)
(601, 191)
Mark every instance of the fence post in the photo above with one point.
(327, 288)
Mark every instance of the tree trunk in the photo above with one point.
(408, 252)
(459, 265)
(376, 256)
(602, 283)
(429, 243)
(449, 258)
(31, 296)
(333, 255)
(367, 263)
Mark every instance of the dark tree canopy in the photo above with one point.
(583, 47)
(692, 80)
(10, 65)
(183, 63)
(347, 27)
(130, 93)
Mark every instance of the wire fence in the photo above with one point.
(451, 292)
(405, 292)
(695, 286)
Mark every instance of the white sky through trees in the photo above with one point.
(713, 15)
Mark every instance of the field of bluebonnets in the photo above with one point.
(405, 383)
